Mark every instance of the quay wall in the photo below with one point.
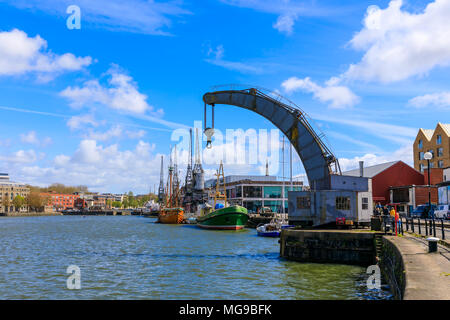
(393, 268)
(325, 246)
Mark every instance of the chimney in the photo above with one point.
(361, 168)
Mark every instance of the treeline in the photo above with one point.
(59, 188)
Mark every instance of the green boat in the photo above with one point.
(229, 218)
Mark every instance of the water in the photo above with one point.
(134, 258)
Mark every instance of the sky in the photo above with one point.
(100, 104)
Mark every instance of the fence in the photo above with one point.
(427, 227)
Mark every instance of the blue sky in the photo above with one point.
(98, 106)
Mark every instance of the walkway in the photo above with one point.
(427, 274)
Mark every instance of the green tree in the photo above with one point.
(18, 202)
(117, 204)
(6, 202)
(35, 201)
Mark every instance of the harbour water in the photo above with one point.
(133, 258)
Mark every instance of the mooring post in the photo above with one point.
(420, 231)
(442, 228)
(426, 227)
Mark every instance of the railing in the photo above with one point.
(427, 227)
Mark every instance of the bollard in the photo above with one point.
(412, 225)
(407, 225)
(426, 228)
(418, 222)
(442, 227)
(432, 244)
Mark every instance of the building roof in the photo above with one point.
(446, 127)
(430, 132)
(370, 172)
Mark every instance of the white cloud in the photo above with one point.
(20, 157)
(77, 122)
(121, 93)
(32, 138)
(335, 95)
(398, 44)
(287, 10)
(218, 60)
(285, 23)
(440, 100)
(405, 154)
(139, 16)
(102, 168)
(20, 54)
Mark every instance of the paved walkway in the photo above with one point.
(427, 274)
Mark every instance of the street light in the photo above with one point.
(428, 156)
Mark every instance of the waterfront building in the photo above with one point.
(387, 175)
(437, 142)
(255, 192)
(60, 201)
(8, 191)
(444, 188)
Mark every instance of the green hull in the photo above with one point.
(229, 218)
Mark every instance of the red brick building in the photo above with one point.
(387, 175)
(60, 201)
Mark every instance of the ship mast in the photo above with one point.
(161, 183)
(219, 195)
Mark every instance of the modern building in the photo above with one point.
(255, 192)
(8, 191)
(387, 175)
(437, 142)
(59, 201)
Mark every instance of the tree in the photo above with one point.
(6, 202)
(19, 202)
(117, 204)
(35, 201)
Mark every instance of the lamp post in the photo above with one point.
(428, 156)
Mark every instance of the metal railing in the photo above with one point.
(426, 227)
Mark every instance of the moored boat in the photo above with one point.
(171, 215)
(223, 217)
(228, 218)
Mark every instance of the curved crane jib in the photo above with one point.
(315, 156)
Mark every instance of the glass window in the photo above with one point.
(420, 144)
(304, 202)
(252, 206)
(440, 164)
(252, 192)
(421, 155)
(272, 192)
(343, 203)
(239, 192)
(440, 152)
(421, 167)
(365, 203)
(438, 139)
(431, 164)
(274, 205)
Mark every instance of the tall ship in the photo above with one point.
(171, 211)
(222, 216)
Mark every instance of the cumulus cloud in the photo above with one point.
(20, 54)
(398, 44)
(440, 100)
(120, 93)
(337, 96)
(285, 23)
(104, 168)
(405, 154)
(32, 138)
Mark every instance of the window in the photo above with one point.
(303, 202)
(342, 203)
(365, 203)
(420, 144)
(438, 139)
(440, 164)
(431, 164)
(431, 151)
(272, 192)
(440, 152)
(421, 155)
(252, 192)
